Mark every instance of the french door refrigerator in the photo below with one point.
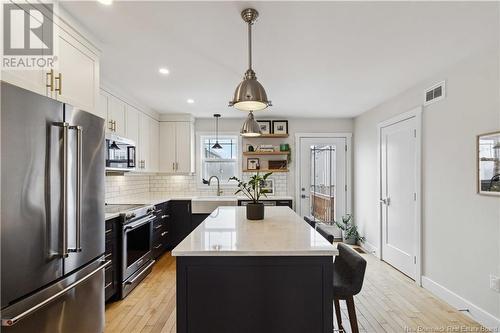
(52, 215)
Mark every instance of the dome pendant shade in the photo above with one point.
(250, 127)
(250, 95)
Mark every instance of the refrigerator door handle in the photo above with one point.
(64, 189)
(79, 165)
(12, 320)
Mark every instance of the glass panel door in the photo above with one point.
(322, 184)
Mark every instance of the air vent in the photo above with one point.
(435, 93)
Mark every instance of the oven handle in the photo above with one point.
(138, 223)
(141, 272)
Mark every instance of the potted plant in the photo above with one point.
(253, 190)
(349, 230)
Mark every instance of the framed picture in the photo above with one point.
(280, 126)
(265, 126)
(268, 185)
(253, 164)
(488, 160)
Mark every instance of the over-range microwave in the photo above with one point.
(120, 153)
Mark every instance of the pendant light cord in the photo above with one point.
(217, 129)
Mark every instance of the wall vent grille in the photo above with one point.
(435, 93)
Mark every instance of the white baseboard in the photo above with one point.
(481, 316)
(370, 248)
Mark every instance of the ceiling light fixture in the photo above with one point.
(250, 127)
(190, 101)
(217, 145)
(164, 71)
(106, 2)
(250, 95)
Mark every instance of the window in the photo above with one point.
(223, 163)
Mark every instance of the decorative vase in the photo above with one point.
(350, 241)
(255, 211)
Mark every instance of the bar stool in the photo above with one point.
(348, 275)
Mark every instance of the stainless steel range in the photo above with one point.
(135, 244)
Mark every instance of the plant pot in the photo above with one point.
(350, 241)
(255, 211)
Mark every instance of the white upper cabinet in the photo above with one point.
(167, 146)
(75, 77)
(132, 123)
(144, 143)
(176, 147)
(154, 142)
(116, 116)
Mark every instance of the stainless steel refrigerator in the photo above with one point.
(52, 215)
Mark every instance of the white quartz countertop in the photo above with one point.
(227, 232)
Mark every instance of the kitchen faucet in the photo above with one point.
(219, 191)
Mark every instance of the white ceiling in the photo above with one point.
(315, 59)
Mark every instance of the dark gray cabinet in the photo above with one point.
(180, 221)
(161, 230)
(111, 253)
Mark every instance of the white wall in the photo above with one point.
(295, 125)
(461, 243)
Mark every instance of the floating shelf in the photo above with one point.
(266, 170)
(268, 136)
(256, 153)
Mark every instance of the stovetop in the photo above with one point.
(112, 209)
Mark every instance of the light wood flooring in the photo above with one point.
(388, 302)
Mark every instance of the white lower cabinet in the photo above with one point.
(176, 147)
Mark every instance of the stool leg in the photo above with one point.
(338, 314)
(351, 309)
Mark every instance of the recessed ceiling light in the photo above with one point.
(164, 71)
(106, 2)
(190, 101)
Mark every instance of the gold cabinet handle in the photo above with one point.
(114, 126)
(51, 76)
(110, 127)
(173, 166)
(59, 78)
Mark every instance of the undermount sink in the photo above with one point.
(206, 205)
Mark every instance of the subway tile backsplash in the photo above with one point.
(126, 187)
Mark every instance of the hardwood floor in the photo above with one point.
(389, 302)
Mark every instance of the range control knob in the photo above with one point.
(130, 216)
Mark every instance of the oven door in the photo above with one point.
(137, 240)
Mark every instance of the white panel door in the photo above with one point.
(183, 140)
(132, 123)
(398, 157)
(154, 140)
(322, 179)
(144, 142)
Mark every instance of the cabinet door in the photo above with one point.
(144, 144)
(116, 113)
(154, 140)
(78, 70)
(132, 123)
(180, 219)
(33, 80)
(184, 140)
(167, 146)
(102, 106)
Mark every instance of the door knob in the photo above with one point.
(303, 196)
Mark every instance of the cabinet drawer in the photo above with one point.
(159, 224)
(108, 247)
(160, 234)
(159, 248)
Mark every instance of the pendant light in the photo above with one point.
(217, 145)
(250, 127)
(250, 94)
(114, 146)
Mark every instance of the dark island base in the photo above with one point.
(254, 294)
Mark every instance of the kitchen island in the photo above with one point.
(237, 275)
